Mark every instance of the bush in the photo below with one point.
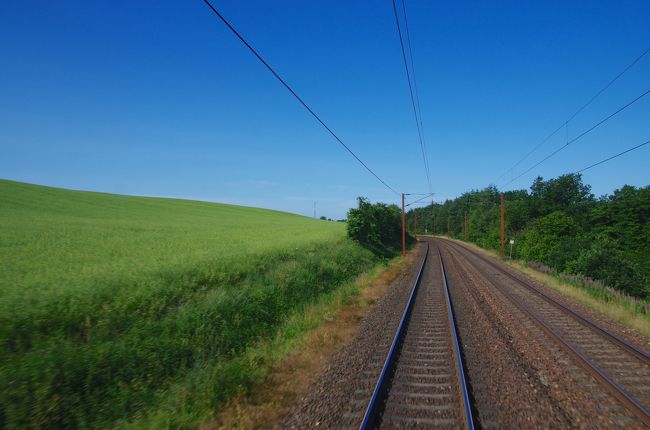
(604, 261)
(552, 240)
(377, 227)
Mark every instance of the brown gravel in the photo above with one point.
(551, 390)
(341, 393)
(518, 378)
(613, 326)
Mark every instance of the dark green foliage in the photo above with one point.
(561, 224)
(377, 227)
(604, 261)
(552, 240)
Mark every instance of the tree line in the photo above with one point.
(559, 223)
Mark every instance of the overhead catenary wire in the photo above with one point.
(413, 104)
(417, 92)
(566, 122)
(598, 124)
(419, 200)
(288, 87)
(613, 156)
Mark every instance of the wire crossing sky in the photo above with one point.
(412, 92)
(155, 98)
(259, 57)
(565, 125)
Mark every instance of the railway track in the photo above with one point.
(622, 368)
(422, 381)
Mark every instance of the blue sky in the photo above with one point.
(158, 98)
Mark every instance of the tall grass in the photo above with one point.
(108, 301)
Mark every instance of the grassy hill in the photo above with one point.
(108, 302)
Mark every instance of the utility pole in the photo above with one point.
(503, 230)
(314, 209)
(403, 228)
(448, 226)
(465, 226)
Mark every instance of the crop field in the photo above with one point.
(109, 303)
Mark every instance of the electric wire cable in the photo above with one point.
(580, 136)
(417, 92)
(419, 200)
(286, 85)
(613, 156)
(415, 111)
(566, 122)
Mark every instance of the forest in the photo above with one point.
(558, 223)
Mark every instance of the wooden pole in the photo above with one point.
(403, 228)
(503, 230)
(448, 226)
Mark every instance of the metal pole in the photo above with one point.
(403, 228)
(503, 230)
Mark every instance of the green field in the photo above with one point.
(109, 303)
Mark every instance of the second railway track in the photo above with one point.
(422, 382)
(621, 367)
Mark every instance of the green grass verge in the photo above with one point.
(109, 304)
(196, 398)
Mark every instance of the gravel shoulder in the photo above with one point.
(519, 376)
(340, 394)
(611, 325)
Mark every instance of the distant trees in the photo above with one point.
(377, 227)
(559, 223)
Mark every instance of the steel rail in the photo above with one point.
(373, 410)
(614, 338)
(459, 361)
(616, 389)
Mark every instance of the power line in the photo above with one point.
(613, 156)
(419, 200)
(580, 135)
(415, 111)
(566, 122)
(417, 92)
(259, 57)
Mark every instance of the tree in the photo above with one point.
(377, 227)
(565, 193)
(552, 240)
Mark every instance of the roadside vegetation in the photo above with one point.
(378, 227)
(600, 243)
(130, 311)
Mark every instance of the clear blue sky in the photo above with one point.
(158, 98)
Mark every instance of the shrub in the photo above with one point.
(377, 227)
(604, 261)
(552, 240)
